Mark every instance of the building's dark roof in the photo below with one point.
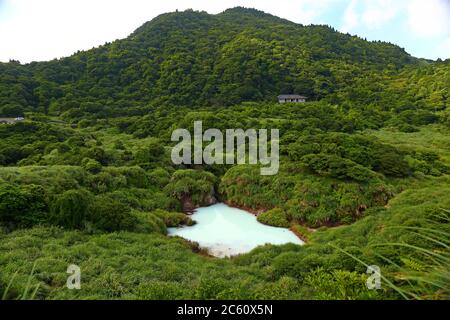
(291, 96)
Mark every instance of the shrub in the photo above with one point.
(159, 177)
(148, 222)
(194, 184)
(210, 288)
(91, 165)
(110, 215)
(97, 154)
(288, 264)
(173, 219)
(151, 152)
(275, 217)
(22, 206)
(243, 185)
(337, 167)
(340, 285)
(390, 163)
(70, 209)
(407, 128)
(136, 176)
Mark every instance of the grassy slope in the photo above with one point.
(152, 266)
(434, 138)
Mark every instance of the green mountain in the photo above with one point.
(195, 59)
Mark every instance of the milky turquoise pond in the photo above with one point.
(227, 231)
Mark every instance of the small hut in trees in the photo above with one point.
(283, 98)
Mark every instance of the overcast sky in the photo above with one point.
(32, 30)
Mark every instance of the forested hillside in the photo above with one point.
(193, 58)
(87, 177)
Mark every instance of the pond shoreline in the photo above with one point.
(225, 230)
(254, 212)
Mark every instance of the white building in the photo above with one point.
(283, 98)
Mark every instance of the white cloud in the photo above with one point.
(409, 22)
(429, 18)
(370, 14)
(444, 48)
(351, 17)
(307, 11)
(377, 13)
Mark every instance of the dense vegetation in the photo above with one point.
(364, 176)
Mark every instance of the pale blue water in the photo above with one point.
(227, 231)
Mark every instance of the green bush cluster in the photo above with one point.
(198, 187)
(304, 198)
(22, 206)
(275, 217)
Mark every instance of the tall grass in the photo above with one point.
(425, 273)
(29, 291)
